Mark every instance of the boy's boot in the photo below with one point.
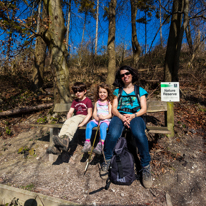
(62, 142)
(87, 146)
(104, 169)
(146, 177)
(53, 150)
(98, 149)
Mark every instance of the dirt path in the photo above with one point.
(178, 167)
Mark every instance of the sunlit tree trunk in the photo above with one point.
(189, 38)
(40, 53)
(135, 44)
(97, 21)
(85, 19)
(68, 25)
(54, 37)
(111, 43)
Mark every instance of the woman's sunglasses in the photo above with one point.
(127, 73)
(78, 90)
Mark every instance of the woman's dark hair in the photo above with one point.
(104, 86)
(118, 80)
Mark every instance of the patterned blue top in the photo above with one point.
(125, 101)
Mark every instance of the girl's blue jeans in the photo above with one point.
(103, 130)
(137, 127)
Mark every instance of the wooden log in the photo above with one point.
(25, 109)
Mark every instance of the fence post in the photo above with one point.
(170, 118)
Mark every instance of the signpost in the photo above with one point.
(170, 93)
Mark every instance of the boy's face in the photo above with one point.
(80, 93)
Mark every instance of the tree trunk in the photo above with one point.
(111, 43)
(97, 21)
(135, 44)
(145, 32)
(85, 19)
(68, 25)
(170, 72)
(161, 40)
(189, 38)
(40, 55)
(54, 37)
(21, 110)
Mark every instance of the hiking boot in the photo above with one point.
(62, 142)
(104, 169)
(53, 150)
(98, 149)
(87, 147)
(146, 177)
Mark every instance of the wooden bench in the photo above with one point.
(153, 106)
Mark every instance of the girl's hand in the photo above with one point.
(97, 119)
(101, 117)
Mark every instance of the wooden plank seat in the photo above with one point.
(153, 106)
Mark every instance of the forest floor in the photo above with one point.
(178, 163)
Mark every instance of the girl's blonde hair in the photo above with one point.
(104, 86)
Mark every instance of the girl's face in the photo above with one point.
(126, 76)
(103, 94)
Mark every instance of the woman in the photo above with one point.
(127, 113)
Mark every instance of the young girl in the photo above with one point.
(103, 113)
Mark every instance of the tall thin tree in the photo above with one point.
(135, 44)
(111, 42)
(97, 21)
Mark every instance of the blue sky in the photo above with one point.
(123, 28)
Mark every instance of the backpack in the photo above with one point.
(121, 169)
(136, 90)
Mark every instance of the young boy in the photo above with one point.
(83, 112)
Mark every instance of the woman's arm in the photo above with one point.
(108, 116)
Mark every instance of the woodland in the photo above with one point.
(47, 45)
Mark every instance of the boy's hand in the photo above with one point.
(81, 125)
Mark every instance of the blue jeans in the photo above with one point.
(137, 127)
(103, 130)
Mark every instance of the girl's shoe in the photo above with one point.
(87, 147)
(98, 149)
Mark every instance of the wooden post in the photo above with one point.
(170, 118)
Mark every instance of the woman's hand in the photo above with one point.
(127, 118)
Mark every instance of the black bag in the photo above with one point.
(121, 170)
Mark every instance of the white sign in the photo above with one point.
(170, 92)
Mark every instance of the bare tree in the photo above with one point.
(54, 37)
(40, 52)
(135, 44)
(111, 43)
(68, 24)
(97, 20)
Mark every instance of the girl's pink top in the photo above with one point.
(103, 109)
